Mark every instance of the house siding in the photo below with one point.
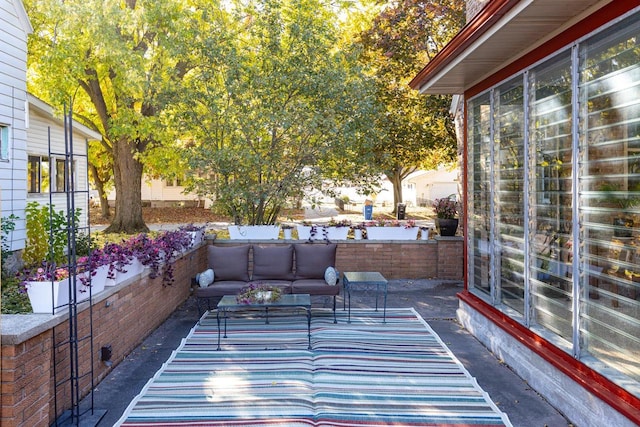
(38, 136)
(13, 95)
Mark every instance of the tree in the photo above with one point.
(111, 59)
(413, 130)
(271, 106)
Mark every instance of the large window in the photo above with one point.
(40, 171)
(554, 199)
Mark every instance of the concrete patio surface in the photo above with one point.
(434, 300)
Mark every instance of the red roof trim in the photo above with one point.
(480, 24)
(615, 396)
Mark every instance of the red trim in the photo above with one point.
(480, 24)
(615, 396)
(607, 14)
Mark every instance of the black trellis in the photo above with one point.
(69, 383)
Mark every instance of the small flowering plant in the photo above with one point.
(45, 272)
(258, 293)
(446, 208)
(339, 223)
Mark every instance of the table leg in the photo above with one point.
(218, 320)
(377, 292)
(225, 323)
(349, 298)
(309, 325)
(384, 315)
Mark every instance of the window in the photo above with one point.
(554, 156)
(4, 142)
(40, 171)
(38, 174)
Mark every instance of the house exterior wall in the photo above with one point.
(14, 29)
(541, 141)
(43, 126)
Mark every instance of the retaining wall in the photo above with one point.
(124, 315)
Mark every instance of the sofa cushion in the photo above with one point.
(229, 262)
(272, 262)
(312, 259)
(219, 289)
(314, 287)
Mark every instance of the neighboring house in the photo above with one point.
(46, 161)
(551, 96)
(433, 184)
(14, 29)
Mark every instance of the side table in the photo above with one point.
(365, 280)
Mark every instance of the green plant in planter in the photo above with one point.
(46, 234)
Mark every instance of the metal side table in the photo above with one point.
(365, 280)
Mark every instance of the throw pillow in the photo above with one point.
(205, 278)
(331, 276)
(229, 262)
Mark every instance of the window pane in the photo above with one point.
(510, 191)
(33, 174)
(4, 142)
(551, 136)
(610, 190)
(60, 175)
(45, 176)
(479, 191)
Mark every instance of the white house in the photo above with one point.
(14, 29)
(46, 159)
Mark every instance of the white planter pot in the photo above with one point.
(357, 234)
(424, 234)
(98, 282)
(332, 233)
(392, 233)
(44, 296)
(134, 268)
(196, 237)
(254, 232)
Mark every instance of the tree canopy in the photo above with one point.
(269, 111)
(256, 101)
(413, 131)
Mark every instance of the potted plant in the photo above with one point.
(391, 229)
(446, 210)
(424, 232)
(195, 231)
(47, 287)
(333, 230)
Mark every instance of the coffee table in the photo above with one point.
(365, 280)
(228, 303)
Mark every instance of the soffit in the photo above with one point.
(502, 32)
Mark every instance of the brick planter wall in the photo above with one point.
(124, 315)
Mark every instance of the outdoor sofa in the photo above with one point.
(303, 268)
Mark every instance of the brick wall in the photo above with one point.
(122, 319)
(125, 315)
(415, 259)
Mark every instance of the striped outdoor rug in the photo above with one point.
(361, 374)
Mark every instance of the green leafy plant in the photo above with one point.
(46, 234)
(8, 225)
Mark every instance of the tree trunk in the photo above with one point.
(128, 181)
(104, 203)
(396, 181)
